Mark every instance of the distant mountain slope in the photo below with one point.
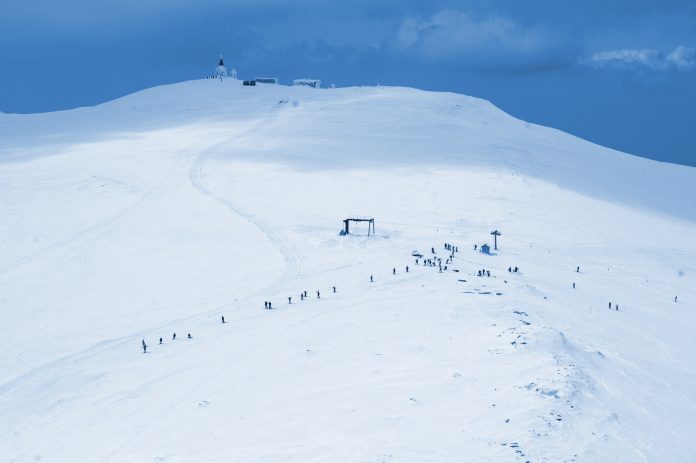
(414, 126)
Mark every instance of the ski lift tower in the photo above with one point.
(495, 234)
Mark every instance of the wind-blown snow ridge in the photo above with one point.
(163, 211)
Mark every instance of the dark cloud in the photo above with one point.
(563, 63)
(489, 42)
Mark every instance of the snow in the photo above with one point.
(161, 211)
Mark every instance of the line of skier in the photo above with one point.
(303, 296)
(429, 262)
(161, 341)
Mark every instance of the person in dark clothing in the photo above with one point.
(173, 336)
(371, 279)
(573, 285)
(318, 295)
(610, 305)
(222, 317)
(394, 271)
(265, 304)
(488, 273)
(144, 347)
(516, 269)
(433, 250)
(269, 305)
(577, 270)
(302, 296)
(479, 273)
(290, 300)
(407, 271)
(305, 294)
(475, 246)
(160, 340)
(510, 269)
(416, 261)
(189, 336)
(334, 289)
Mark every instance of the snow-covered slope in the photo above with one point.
(164, 210)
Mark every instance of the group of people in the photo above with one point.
(303, 296)
(144, 344)
(437, 261)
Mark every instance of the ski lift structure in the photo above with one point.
(495, 234)
(370, 224)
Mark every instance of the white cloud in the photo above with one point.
(681, 58)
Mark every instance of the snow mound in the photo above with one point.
(163, 211)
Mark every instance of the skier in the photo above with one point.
(160, 340)
(269, 305)
(610, 305)
(334, 289)
(173, 336)
(290, 300)
(371, 279)
(305, 293)
(189, 336)
(416, 261)
(407, 272)
(479, 273)
(144, 347)
(510, 269)
(475, 246)
(577, 270)
(516, 269)
(433, 250)
(394, 271)
(488, 273)
(223, 318)
(675, 298)
(617, 307)
(265, 304)
(318, 295)
(302, 296)
(573, 285)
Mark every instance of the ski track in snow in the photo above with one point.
(292, 262)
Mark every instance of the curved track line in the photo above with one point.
(292, 261)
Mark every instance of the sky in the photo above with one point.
(621, 73)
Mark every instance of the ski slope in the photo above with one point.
(162, 211)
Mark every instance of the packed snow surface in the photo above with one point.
(163, 211)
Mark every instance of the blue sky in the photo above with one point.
(621, 73)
